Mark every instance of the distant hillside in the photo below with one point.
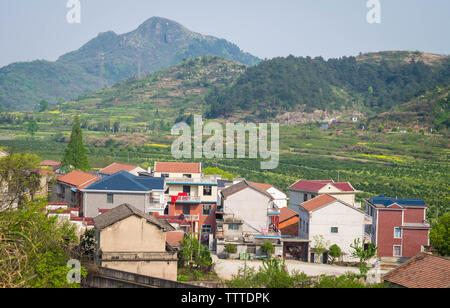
(429, 110)
(162, 96)
(370, 83)
(155, 45)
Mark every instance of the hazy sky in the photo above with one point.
(38, 29)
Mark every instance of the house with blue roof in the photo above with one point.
(143, 192)
(399, 227)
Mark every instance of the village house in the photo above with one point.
(68, 188)
(55, 165)
(196, 200)
(423, 271)
(63, 213)
(399, 227)
(115, 167)
(129, 240)
(279, 197)
(289, 222)
(144, 193)
(247, 217)
(338, 222)
(303, 191)
(178, 170)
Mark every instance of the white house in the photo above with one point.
(338, 222)
(279, 197)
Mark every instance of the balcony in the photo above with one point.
(156, 206)
(273, 212)
(184, 199)
(192, 217)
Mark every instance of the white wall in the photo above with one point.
(279, 196)
(349, 221)
(251, 206)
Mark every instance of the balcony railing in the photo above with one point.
(184, 199)
(192, 217)
(273, 212)
(156, 205)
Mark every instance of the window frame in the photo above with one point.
(401, 251)
(108, 200)
(335, 228)
(395, 233)
(210, 211)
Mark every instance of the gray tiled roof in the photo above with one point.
(124, 211)
(240, 186)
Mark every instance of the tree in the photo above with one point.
(32, 127)
(268, 249)
(230, 248)
(35, 249)
(75, 154)
(43, 106)
(194, 254)
(363, 254)
(440, 235)
(18, 177)
(334, 252)
(320, 245)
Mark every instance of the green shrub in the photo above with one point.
(268, 248)
(230, 248)
(334, 252)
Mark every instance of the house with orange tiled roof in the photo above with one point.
(424, 271)
(67, 188)
(177, 170)
(116, 167)
(279, 197)
(338, 222)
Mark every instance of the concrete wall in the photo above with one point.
(177, 175)
(251, 206)
(132, 234)
(136, 235)
(350, 224)
(279, 196)
(95, 201)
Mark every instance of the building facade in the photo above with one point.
(338, 222)
(142, 192)
(399, 227)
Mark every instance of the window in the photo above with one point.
(397, 251)
(187, 189)
(109, 198)
(207, 191)
(233, 227)
(206, 228)
(397, 232)
(164, 175)
(186, 209)
(251, 249)
(334, 230)
(307, 227)
(305, 197)
(207, 210)
(187, 176)
(167, 191)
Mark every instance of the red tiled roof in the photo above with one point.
(51, 163)
(262, 185)
(174, 238)
(115, 167)
(178, 167)
(315, 186)
(318, 202)
(78, 179)
(423, 271)
(286, 214)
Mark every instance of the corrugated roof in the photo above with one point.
(124, 181)
(423, 271)
(78, 179)
(240, 186)
(175, 167)
(124, 211)
(387, 201)
(115, 167)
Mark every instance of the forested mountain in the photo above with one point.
(155, 45)
(370, 83)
